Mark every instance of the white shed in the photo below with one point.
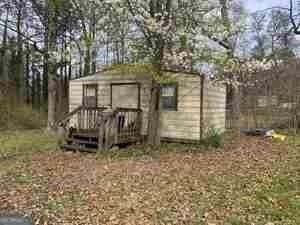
(190, 103)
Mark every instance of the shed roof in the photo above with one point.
(95, 76)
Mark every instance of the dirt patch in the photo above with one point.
(176, 188)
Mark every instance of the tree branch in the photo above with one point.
(295, 26)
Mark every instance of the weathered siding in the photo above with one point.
(185, 122)
(181, 124)
(214, 108)
(104, 81)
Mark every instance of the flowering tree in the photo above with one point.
(176, 34)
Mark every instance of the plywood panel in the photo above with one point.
(126, 96)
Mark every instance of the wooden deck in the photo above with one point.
(96, 129)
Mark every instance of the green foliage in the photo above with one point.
(293, 139)
(214, 138)
(58, 205)
(278, 201)
(141, 69)
(25, 143)
(56, 4)
(234, 221)
(87, 38)
(21, 178)
(21, 117)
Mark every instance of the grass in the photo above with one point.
(57, 206)
(15, 144)
(21, 117)
(259, 200)
(275, 200)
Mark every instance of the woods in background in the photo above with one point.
(45, 43)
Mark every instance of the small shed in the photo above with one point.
(190, 105)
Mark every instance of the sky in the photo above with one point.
(255, 5)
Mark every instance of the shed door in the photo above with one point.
(125, 95)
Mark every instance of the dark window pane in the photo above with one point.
(90, 101)
(169, 97)
(90, 95)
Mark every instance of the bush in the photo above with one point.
(21, 117)
(28, 118)
(214, 138)
(25, 143)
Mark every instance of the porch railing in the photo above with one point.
(111, 126)
(82, 118)
(129, 124)
(119, 126)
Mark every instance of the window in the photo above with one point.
(169, 97)
(90, 95)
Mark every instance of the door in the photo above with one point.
(125, 95)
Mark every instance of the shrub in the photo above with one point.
(21, 117)
(24, 143)
(28, 118)
(214, 138)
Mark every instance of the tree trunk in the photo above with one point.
(33, 88)
(38, 89)
(27, 75)
(94, 50)
(117, 52)
(52, 87)
(45, 69)
(3, 51)
(236, 111)
(154, 115)
(19, 66)
(60, 85)
(107, 51)
(87, 62)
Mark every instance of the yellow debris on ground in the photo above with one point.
(273, 134)
(279, 136)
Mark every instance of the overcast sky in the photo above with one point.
(254, 5)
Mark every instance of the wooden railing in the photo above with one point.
(129, 124)
(112, 126)
(88, 117)
(83, 118)
(119, 126)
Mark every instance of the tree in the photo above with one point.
(293, 16)
(174, 34)
(3, 50)
(259, 21)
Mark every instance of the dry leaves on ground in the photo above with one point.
(176, 188)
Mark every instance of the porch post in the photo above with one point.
(101, 126)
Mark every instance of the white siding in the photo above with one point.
(181, 124)
(104, 81)
(214, 107)
(185, 122)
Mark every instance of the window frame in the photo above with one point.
(175, 86)
(84, 92)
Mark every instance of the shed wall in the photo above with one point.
(181, 124)
(104, 81)
(214, 106)
(185, 122)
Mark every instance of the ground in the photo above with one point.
(252, 181)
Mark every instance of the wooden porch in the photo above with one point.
(93, 129)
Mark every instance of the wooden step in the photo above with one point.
(78, 148)
(84, 135)
(83, 142)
